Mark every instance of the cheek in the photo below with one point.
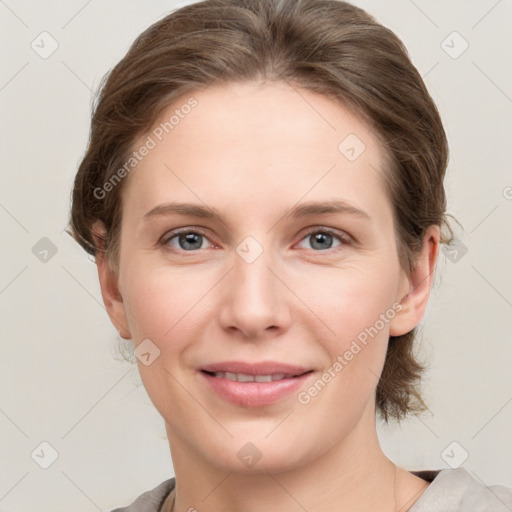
(349, 300)
(161, 301)
(164, 302)
(357, 308)
(164, 305)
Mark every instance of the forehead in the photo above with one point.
(244, 144)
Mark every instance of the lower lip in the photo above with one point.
(255, 394)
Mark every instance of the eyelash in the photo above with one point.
(343, 239)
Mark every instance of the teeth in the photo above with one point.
(263, 378)
(242, 377)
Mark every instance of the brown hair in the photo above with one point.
(326, 46)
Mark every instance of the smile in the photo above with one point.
(243, 377)
(254, 384)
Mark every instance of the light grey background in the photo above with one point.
(61, 378)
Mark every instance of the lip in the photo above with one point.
(258, 368)
(255, 394)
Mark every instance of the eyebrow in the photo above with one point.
(302, 210)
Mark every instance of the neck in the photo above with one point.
(354, 475)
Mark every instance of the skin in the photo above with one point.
(253, 152)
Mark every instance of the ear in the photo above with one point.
(109, 283)
(418, 286)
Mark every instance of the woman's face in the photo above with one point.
(285, 279)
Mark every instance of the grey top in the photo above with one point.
(451, 490)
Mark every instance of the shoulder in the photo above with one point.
(455, 490)
(150, 501)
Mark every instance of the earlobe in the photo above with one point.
(109, 284)
(414, 303)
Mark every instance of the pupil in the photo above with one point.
(320, 237)
(190, 238)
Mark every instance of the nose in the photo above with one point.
(255, 299)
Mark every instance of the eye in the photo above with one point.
(322, 239)
(185, 239)
(188, 240)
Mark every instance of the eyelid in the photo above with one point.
(169, 235)
(342, 237)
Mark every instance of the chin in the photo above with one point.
(260, 456)
(274, 464)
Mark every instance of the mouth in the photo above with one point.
(244, 377)
(256, 384)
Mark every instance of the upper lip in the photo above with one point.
(258, 368)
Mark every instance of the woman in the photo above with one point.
(263, 194)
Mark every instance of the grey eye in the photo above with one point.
(322, 240)
(187, 241)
